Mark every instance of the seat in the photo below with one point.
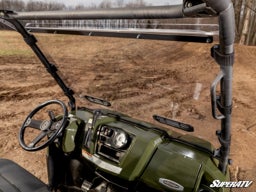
(14, 178)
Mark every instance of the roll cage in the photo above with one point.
(223, 53)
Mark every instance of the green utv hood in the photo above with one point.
(180, 164)
(158, 158)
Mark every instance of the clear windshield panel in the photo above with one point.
(138, 77)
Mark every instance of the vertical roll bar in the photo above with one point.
(224, 56)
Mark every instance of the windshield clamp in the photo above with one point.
(227, 110)
(30, 39)
(221, 59)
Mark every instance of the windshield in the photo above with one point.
(138, 77)
(141, 78)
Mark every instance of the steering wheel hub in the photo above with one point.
(45, 125)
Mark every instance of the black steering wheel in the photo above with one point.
(48, 129)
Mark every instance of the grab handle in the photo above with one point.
(214, 97)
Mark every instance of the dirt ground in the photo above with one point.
(140, 78)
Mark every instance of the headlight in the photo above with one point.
(120, 140)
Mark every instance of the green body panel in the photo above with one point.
(152, 156)
(84, 115)
(197, 141)
(139, 153)
(174, 162)
(183, 165)
(209, 172)
(68, 142)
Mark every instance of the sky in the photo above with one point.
(91, 2)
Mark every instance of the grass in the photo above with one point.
(11, 44)
(14, 52)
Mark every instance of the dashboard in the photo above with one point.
(112, 142)
(117, 144)
(121, 149)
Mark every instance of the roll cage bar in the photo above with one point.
(223, 53)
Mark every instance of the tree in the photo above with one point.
(15, 5)
(105, 4)
(120, 3)
(42, 6)
(245, 16)
(137, 3)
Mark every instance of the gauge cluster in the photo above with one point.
(112, 142)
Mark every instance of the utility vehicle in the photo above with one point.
(104, 150)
